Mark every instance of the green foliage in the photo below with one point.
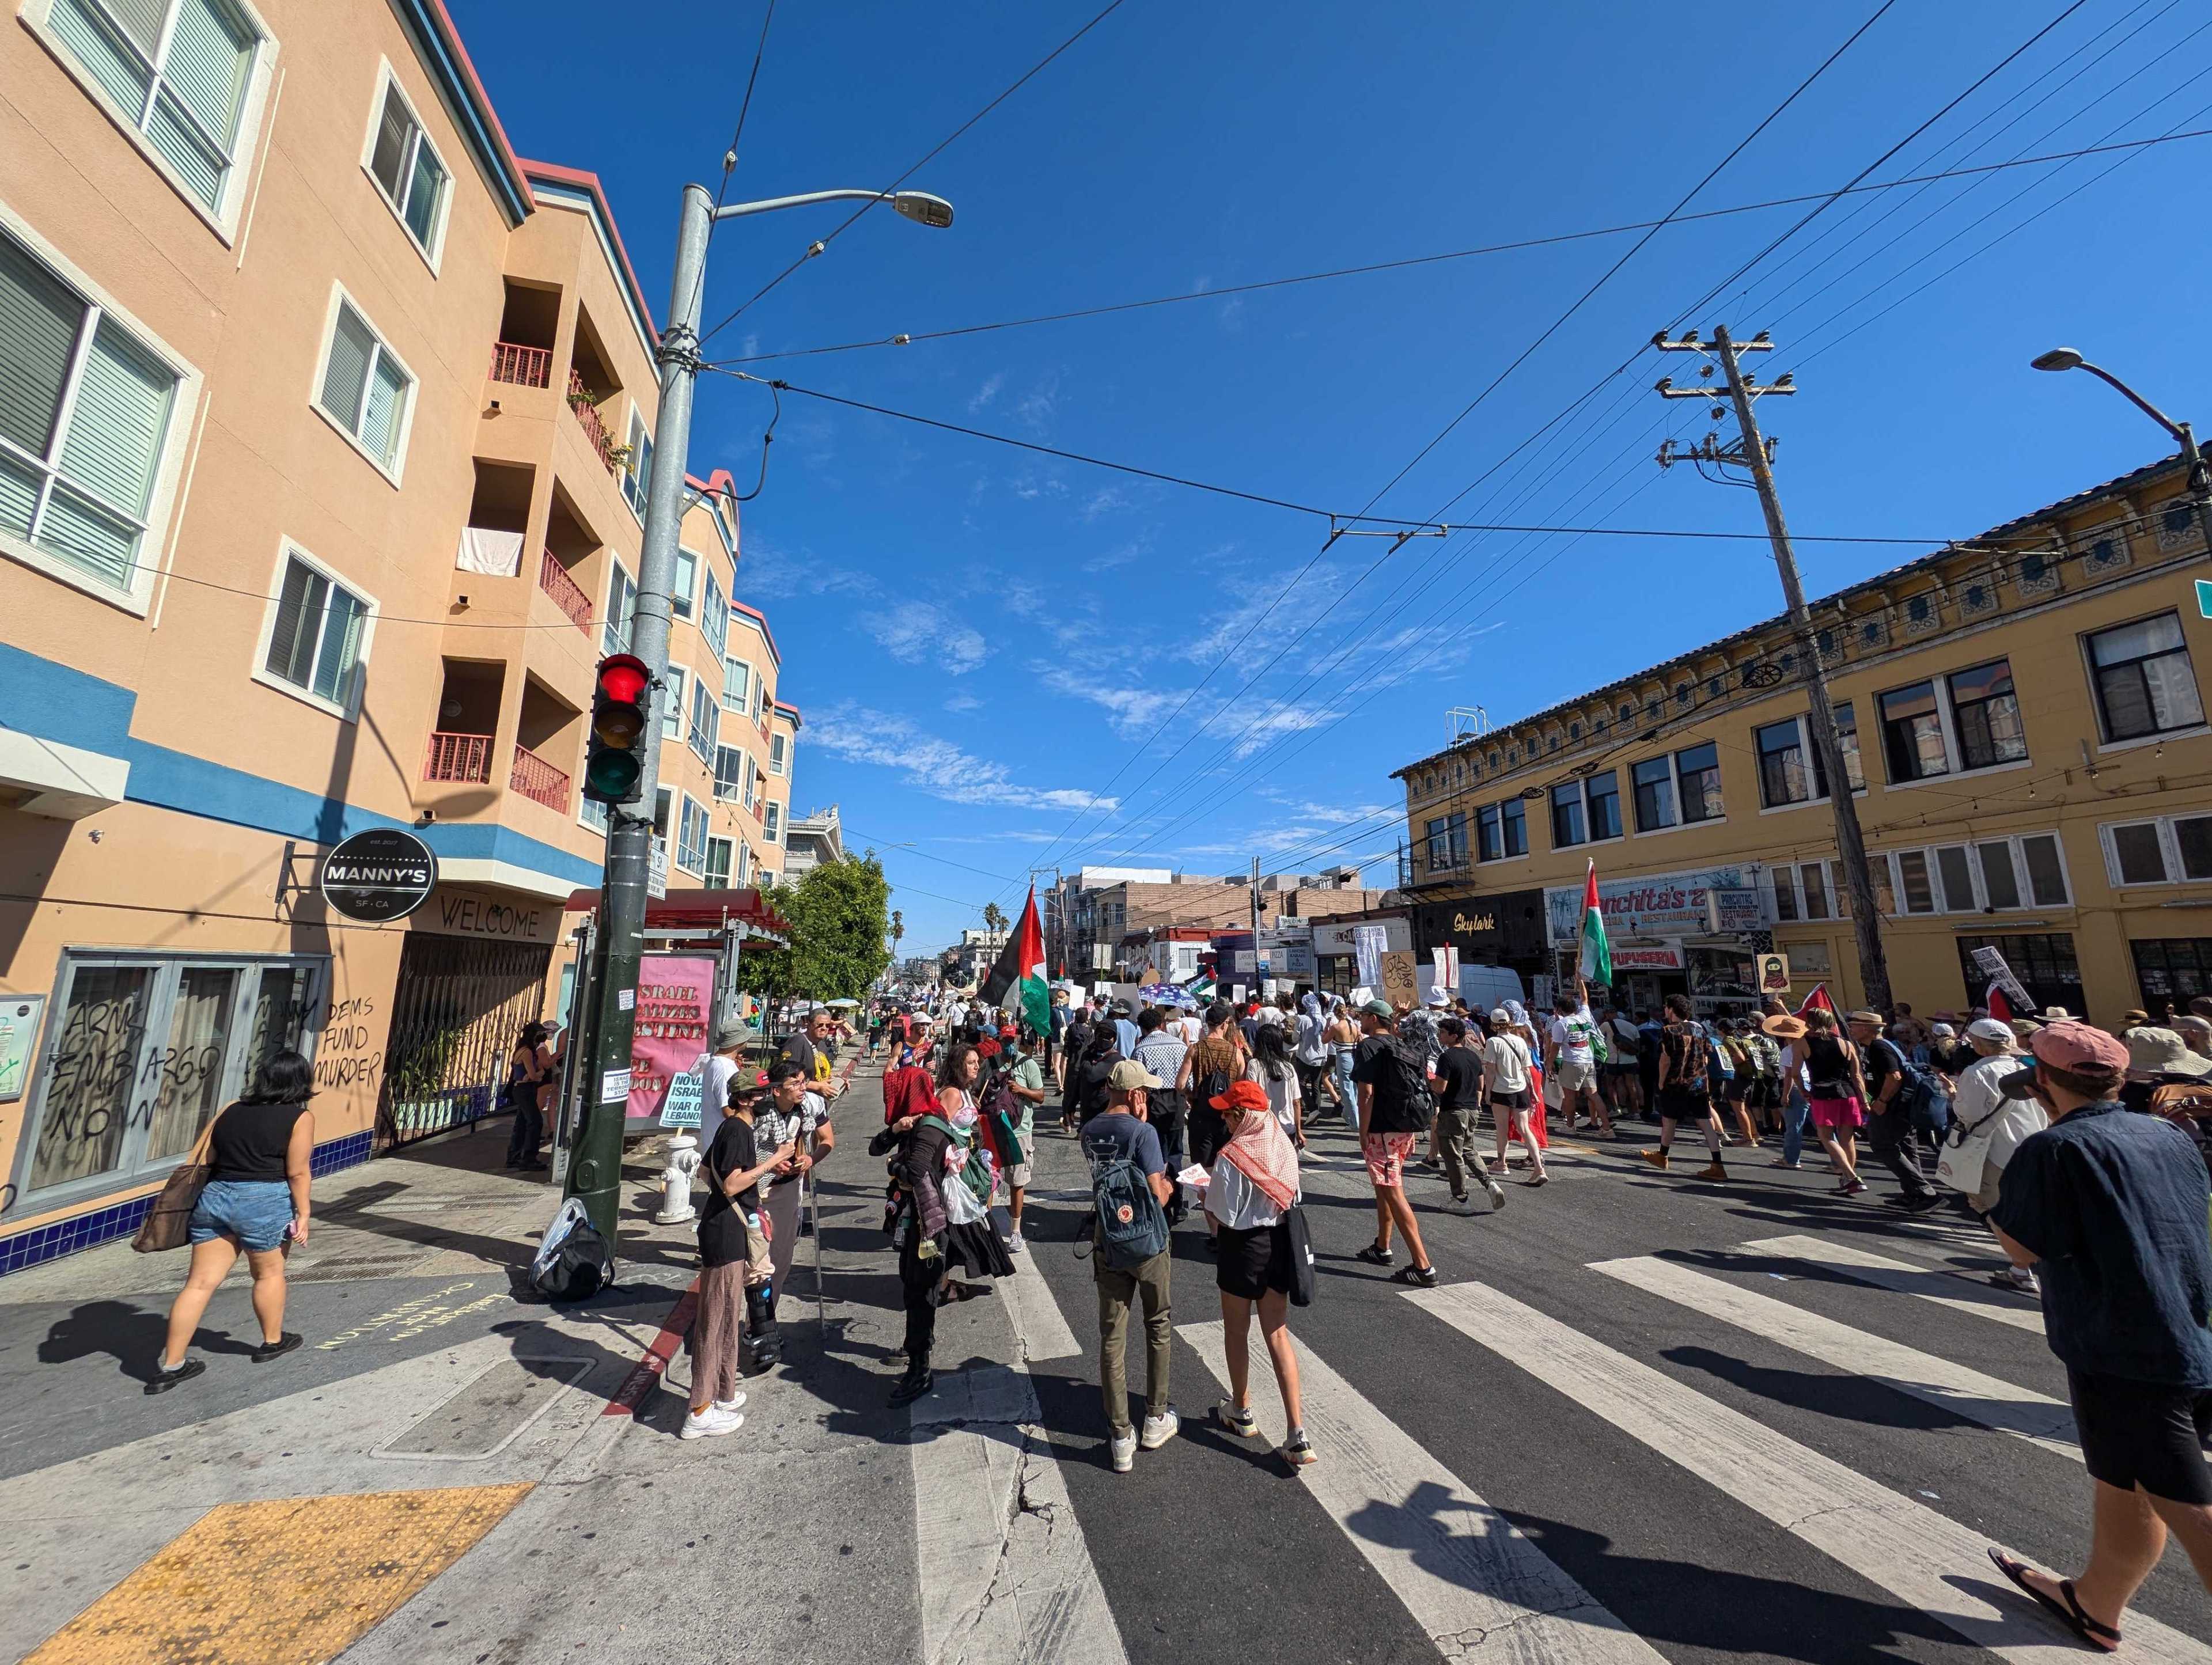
(994, 918)
(839, 912)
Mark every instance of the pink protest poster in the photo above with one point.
(675, 1010)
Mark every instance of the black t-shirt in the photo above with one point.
(250, 1141)
(1461, 1071)
(1374, 1064)
(1879, 1060)
(800, 1050)
(1092, 1085)
(722, 1230)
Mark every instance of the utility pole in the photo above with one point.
(1752, 454)
(1255, 924)
(595, 1172)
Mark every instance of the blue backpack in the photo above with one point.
(1132, 1225)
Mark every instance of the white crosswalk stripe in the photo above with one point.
(1471, 1580)
(1917, 1554)
(1928, 1282)
(2036, 1418)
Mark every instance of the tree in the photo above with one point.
(839, 916)
(994, 918)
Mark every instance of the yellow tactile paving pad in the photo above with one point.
(287, 1581)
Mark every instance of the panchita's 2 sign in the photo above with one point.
(378, 876)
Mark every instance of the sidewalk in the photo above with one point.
(450, 1469)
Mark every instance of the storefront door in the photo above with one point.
(457, 1012)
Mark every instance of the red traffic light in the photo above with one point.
(623, 677)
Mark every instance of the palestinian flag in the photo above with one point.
(2000, 1008)
(1597, 953)
(1819, 999)
(1020, 968)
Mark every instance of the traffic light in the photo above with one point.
(617, 757)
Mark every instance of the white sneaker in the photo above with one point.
(1159, 1429)
(705, 1424)
(1015, 1242)
(735, 1403)
(1497, 1195)
(1121, 1451)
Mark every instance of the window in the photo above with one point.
(2001, 875)
(1488, 846)
(143, 1050)
(85, 409)
(317, 635)
(772, 823)
(2168, 850)
(592, 814)
(684, 589)
(178, 73)
(1809, 890)
(717, 863)
(1655, 794)
(2176, 968)
(2144, 682)
(736, 687)
(1969, 719)
(407, 170)
(1847, 742)
(714, 617)
(1567, 815)
(1448, 842)
(779, 749)
(729, 771)
(672, 709)
(1513, 814)
(663, 802)
(1699, 772)
(637, 472)
(621, 610)
(1787, 764)
(365, 389)
(706, 721)
(691, 837)
(1603, 792)
(745, 864)
(2044, 965)
(760, 698)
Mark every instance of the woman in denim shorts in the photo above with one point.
(256, 1199)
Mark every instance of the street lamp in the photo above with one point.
(594, 1170)
(2200, 476)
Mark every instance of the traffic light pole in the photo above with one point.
(595, 1171)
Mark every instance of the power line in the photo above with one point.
(814, 249)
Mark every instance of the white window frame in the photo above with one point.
(611, 618)
(1786, 879)
(683, 597)
(635, 490)
(346, 710)
(1475, 857)
(703, 736)
(737, 778)
(779, 755)
(2169, 848)
(2157, 738)
(729, 859)
(772, 821)
(1946, 719)
(394, 471)
(1804, 721)
(713, 611)
(223, 218)
(168, 467)
(743, 678)
(2022, 882)
(687, 807)
(673, 713)
(387, 83)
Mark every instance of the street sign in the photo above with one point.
(2204, 596)
(378, 876)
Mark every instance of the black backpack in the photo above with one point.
(578, 1268)
(1405, 1083)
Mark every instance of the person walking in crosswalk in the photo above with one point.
(1250, 1194)
(1837, 1090)
(1686, 1087)
(1395, 1111)
(2110, 1208)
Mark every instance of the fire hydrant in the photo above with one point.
(676, 1180)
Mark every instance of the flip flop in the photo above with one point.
(2092, 1632)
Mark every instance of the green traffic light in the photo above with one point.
(611, 777)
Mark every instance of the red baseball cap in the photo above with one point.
(2072, 1044)
(1241, 1095)
(1007, 1032)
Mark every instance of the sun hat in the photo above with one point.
(1128, 1075)
(731, 1033)
(1993, 1029)
(1944, 1030)
(1438, 997)
(1241, 1095)
(1782, 1026)
(2153, 1050)
(1862, 1015)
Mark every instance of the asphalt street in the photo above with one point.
(1646, 1417)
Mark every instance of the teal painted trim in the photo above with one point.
(442, 54)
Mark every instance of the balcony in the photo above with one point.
(588, 414)
(460, 758)
(568, 595)
(522, 366)
(539, 781)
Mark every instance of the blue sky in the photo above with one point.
(984, 640)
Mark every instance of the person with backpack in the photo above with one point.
(1091, 1075)
(1208, 1068)
(1129, 1259)
(1395, 1112)
(1738, 1071)
(1623, 1070)
(1251, 1194)
(1896, 1089)
(1686, 1074)
(1074, 1042)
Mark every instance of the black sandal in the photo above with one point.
(2093, 1633)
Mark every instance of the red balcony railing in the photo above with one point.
(458, 757)
(568, 595)
(524, 367)
(587, 413)
(539, 781)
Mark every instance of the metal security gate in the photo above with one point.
(457, 1012)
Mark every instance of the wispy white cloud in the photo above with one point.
(986, 392)
(960, 703)
(937, 767)
(1035, 408)
(921, 633)
(1104, 500)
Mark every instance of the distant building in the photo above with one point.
(810, 840)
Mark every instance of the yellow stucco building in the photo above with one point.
(2024, 718)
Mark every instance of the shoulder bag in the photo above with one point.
(166, 1222)
(1302, 1256)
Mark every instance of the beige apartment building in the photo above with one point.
(2025, 733)
(324, 426)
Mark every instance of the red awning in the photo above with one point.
(698, 910)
